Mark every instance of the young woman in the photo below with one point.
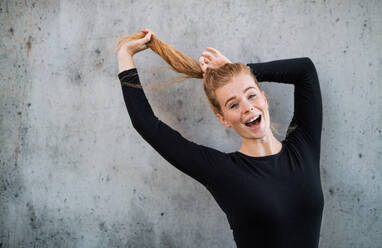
(270, 190)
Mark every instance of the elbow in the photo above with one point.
(308, 64)
(139, 126)
(140, 129)
(309, 68)
(144, 124)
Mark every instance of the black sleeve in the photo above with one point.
(300, 72)
(192, 159)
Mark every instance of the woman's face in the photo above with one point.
(240, 101)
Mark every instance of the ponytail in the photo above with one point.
(178, 61)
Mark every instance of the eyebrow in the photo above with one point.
(250, 87)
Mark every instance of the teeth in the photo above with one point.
(254, 118)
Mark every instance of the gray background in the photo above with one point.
(73, 171)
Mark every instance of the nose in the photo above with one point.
(248, 107)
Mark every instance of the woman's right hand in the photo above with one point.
(207, 60)
(134, 46)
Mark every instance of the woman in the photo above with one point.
(270, 190)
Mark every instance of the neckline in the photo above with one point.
(264, 157)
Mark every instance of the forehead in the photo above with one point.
(235, 87)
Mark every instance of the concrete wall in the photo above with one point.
(73, 171)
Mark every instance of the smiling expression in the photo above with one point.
(241, 100)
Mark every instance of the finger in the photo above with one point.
(208, 55)
(213, 50)
(206, 61)
(201, 60)
(147, 31)
(147, 37)
(202, 64)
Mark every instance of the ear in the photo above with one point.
(222, 120)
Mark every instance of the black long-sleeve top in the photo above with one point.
(270, 201)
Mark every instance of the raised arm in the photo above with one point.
(189, 157)
(302, 74)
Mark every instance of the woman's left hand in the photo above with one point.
(207, 60)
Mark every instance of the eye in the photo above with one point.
(251, 96)
(233, 106)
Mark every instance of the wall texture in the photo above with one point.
(73, 171)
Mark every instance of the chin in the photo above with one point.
(260, 134)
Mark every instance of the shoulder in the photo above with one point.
(298, 141)
(213, 154)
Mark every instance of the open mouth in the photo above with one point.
(254, 123)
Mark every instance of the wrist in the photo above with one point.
(125, 55)
(125, 62)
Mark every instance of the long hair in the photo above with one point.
(178, 61)
(190, 68)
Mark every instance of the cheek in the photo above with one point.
(263, 103)
(264, 106)
(233, 118)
